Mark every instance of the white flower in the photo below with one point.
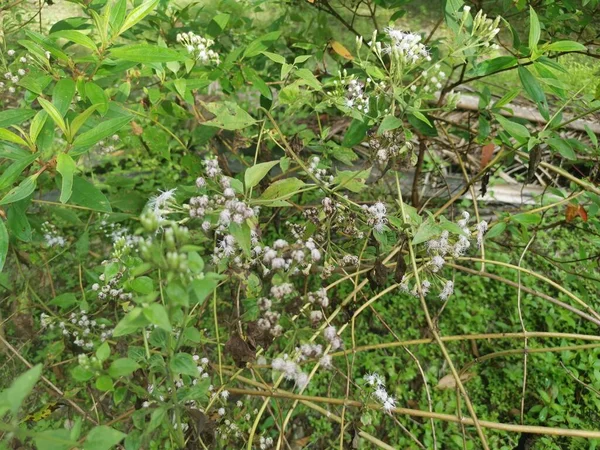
(481, 229)
(224, 395)
(11, 52)
(447, 291)
(221, 411)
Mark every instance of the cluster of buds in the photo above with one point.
(107, 147)
(483, 30)
(405, 49)
(269, 320)
(110, 289)
(432, 79)
(391, 145)
(198, 47)
(319, 173)
(288, 257)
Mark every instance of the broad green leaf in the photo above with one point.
(157, 315)
(133, 321)
(145, 53)
(103, 438)
(122, 367)
(516, 130)
(309, 78)
(274, 57)
(425, 232)
(527, 218)
(534, 29)
(3, 244)
(184, 364)
(86, 194)
(496, 230)
(24, 189)
(261, 44)
(142, 285)
(15, 116)
(242, 236)
(96, 134)
(10, 175)
(54, 114)
(566, 46)
(200, 289)
(228, 116)
(105, 383)
(508, 97)
(351, 180)
(54, 440)
(256, 173)
(76, 37)
(13, 397)
(355, 133)
(137, 14)
(62, 95)
(103, 352)
(282, 189)
(66, 167)
(389, 123)
(6, 135)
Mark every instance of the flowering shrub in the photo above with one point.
(225, 230)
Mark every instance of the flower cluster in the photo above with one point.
(288, 257)
(198, 47)
(375, 381)
(291, 371)
(162, 205)
(406, 48)
(116, 232)
(265, 442)
(376, 216)
(51, 236)
(432, 79)
(331, 336)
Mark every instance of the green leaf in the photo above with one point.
(24, 189)
(352, 180)
(64, 300)
(54, 114)
(532, 87)
(142, 285)
(37, 124)
(86, 194)
(66, 167)
(309, 78)
(17, 221)
(102, 438)
(62, 95)
(13, 171)
(122, 367)
(494, 65)
(256, 173)
(527, 219)
(77, 37)
(54, 440)
(13, 397)
(566, 46)
(184, 364)
(6, 135)
(507, 98)
(496, 230)
(96, 95)
(145, 53)
(157, 417)
(200, 289)
(242, 235)
(80, 120)
(355, 133)
(260, 44)
(274, 57)
(157, 315)
(516, 130)
(425, 232)
(15, 116)
(389, 123)
(228, 116)
(282, 189)
(132, 321)
(137, 14)
(102, 131)
(534, 29)
(3, 244)
(103, 352)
